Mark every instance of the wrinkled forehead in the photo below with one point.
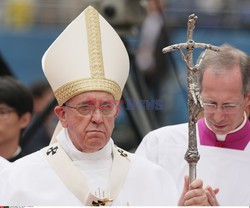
(93, 97)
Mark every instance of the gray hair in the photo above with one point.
(224, 61)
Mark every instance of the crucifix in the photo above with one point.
(194, 102)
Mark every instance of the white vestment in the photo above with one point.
(226, 169)
(31, 180)
(3, 163)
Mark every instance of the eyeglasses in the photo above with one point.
(4, 112)
(228, 108)
(88, 109)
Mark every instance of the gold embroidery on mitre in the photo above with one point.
(94, 43)
(74, 88)
(101, 202)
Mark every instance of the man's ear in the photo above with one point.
(117, 112)
(25, 120)
(60, 113)
(248, 105)
(248, 98)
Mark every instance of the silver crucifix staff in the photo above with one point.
(194, 103)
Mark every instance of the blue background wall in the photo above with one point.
(23, 50)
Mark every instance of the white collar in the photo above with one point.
(222, 137)
(17, 152)
(75, 154)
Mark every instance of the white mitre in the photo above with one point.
(87, 56)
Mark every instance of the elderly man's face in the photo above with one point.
(225, 92)
(90, 125)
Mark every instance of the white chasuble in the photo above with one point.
(100, 178)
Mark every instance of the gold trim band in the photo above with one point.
(74, 88)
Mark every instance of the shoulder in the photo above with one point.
(3, 163)
(170, 129)
(162, 141)
(27, 173)
(171, 133)
(33, 159)
(140, 163)
(22, 173)
(25, 166)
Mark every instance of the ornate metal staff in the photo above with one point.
(194, 103)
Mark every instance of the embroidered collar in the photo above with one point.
(234, 140)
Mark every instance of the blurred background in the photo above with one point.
(155, 94)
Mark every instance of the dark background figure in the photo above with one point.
(154, 34)
(159, 70)
(16, 107)
(4, 68)
(42, 96)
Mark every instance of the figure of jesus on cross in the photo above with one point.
(194, 103)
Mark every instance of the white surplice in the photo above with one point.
(31, 180)
(226, 169)
(3, 163)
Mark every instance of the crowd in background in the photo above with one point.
(23, 13)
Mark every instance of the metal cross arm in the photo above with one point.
(189, 46)
(194, 104)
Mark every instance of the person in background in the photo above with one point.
(83, 166)
(160, 71)
(42, 97)
(153, 36)
(16, 107)
(223, 134)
